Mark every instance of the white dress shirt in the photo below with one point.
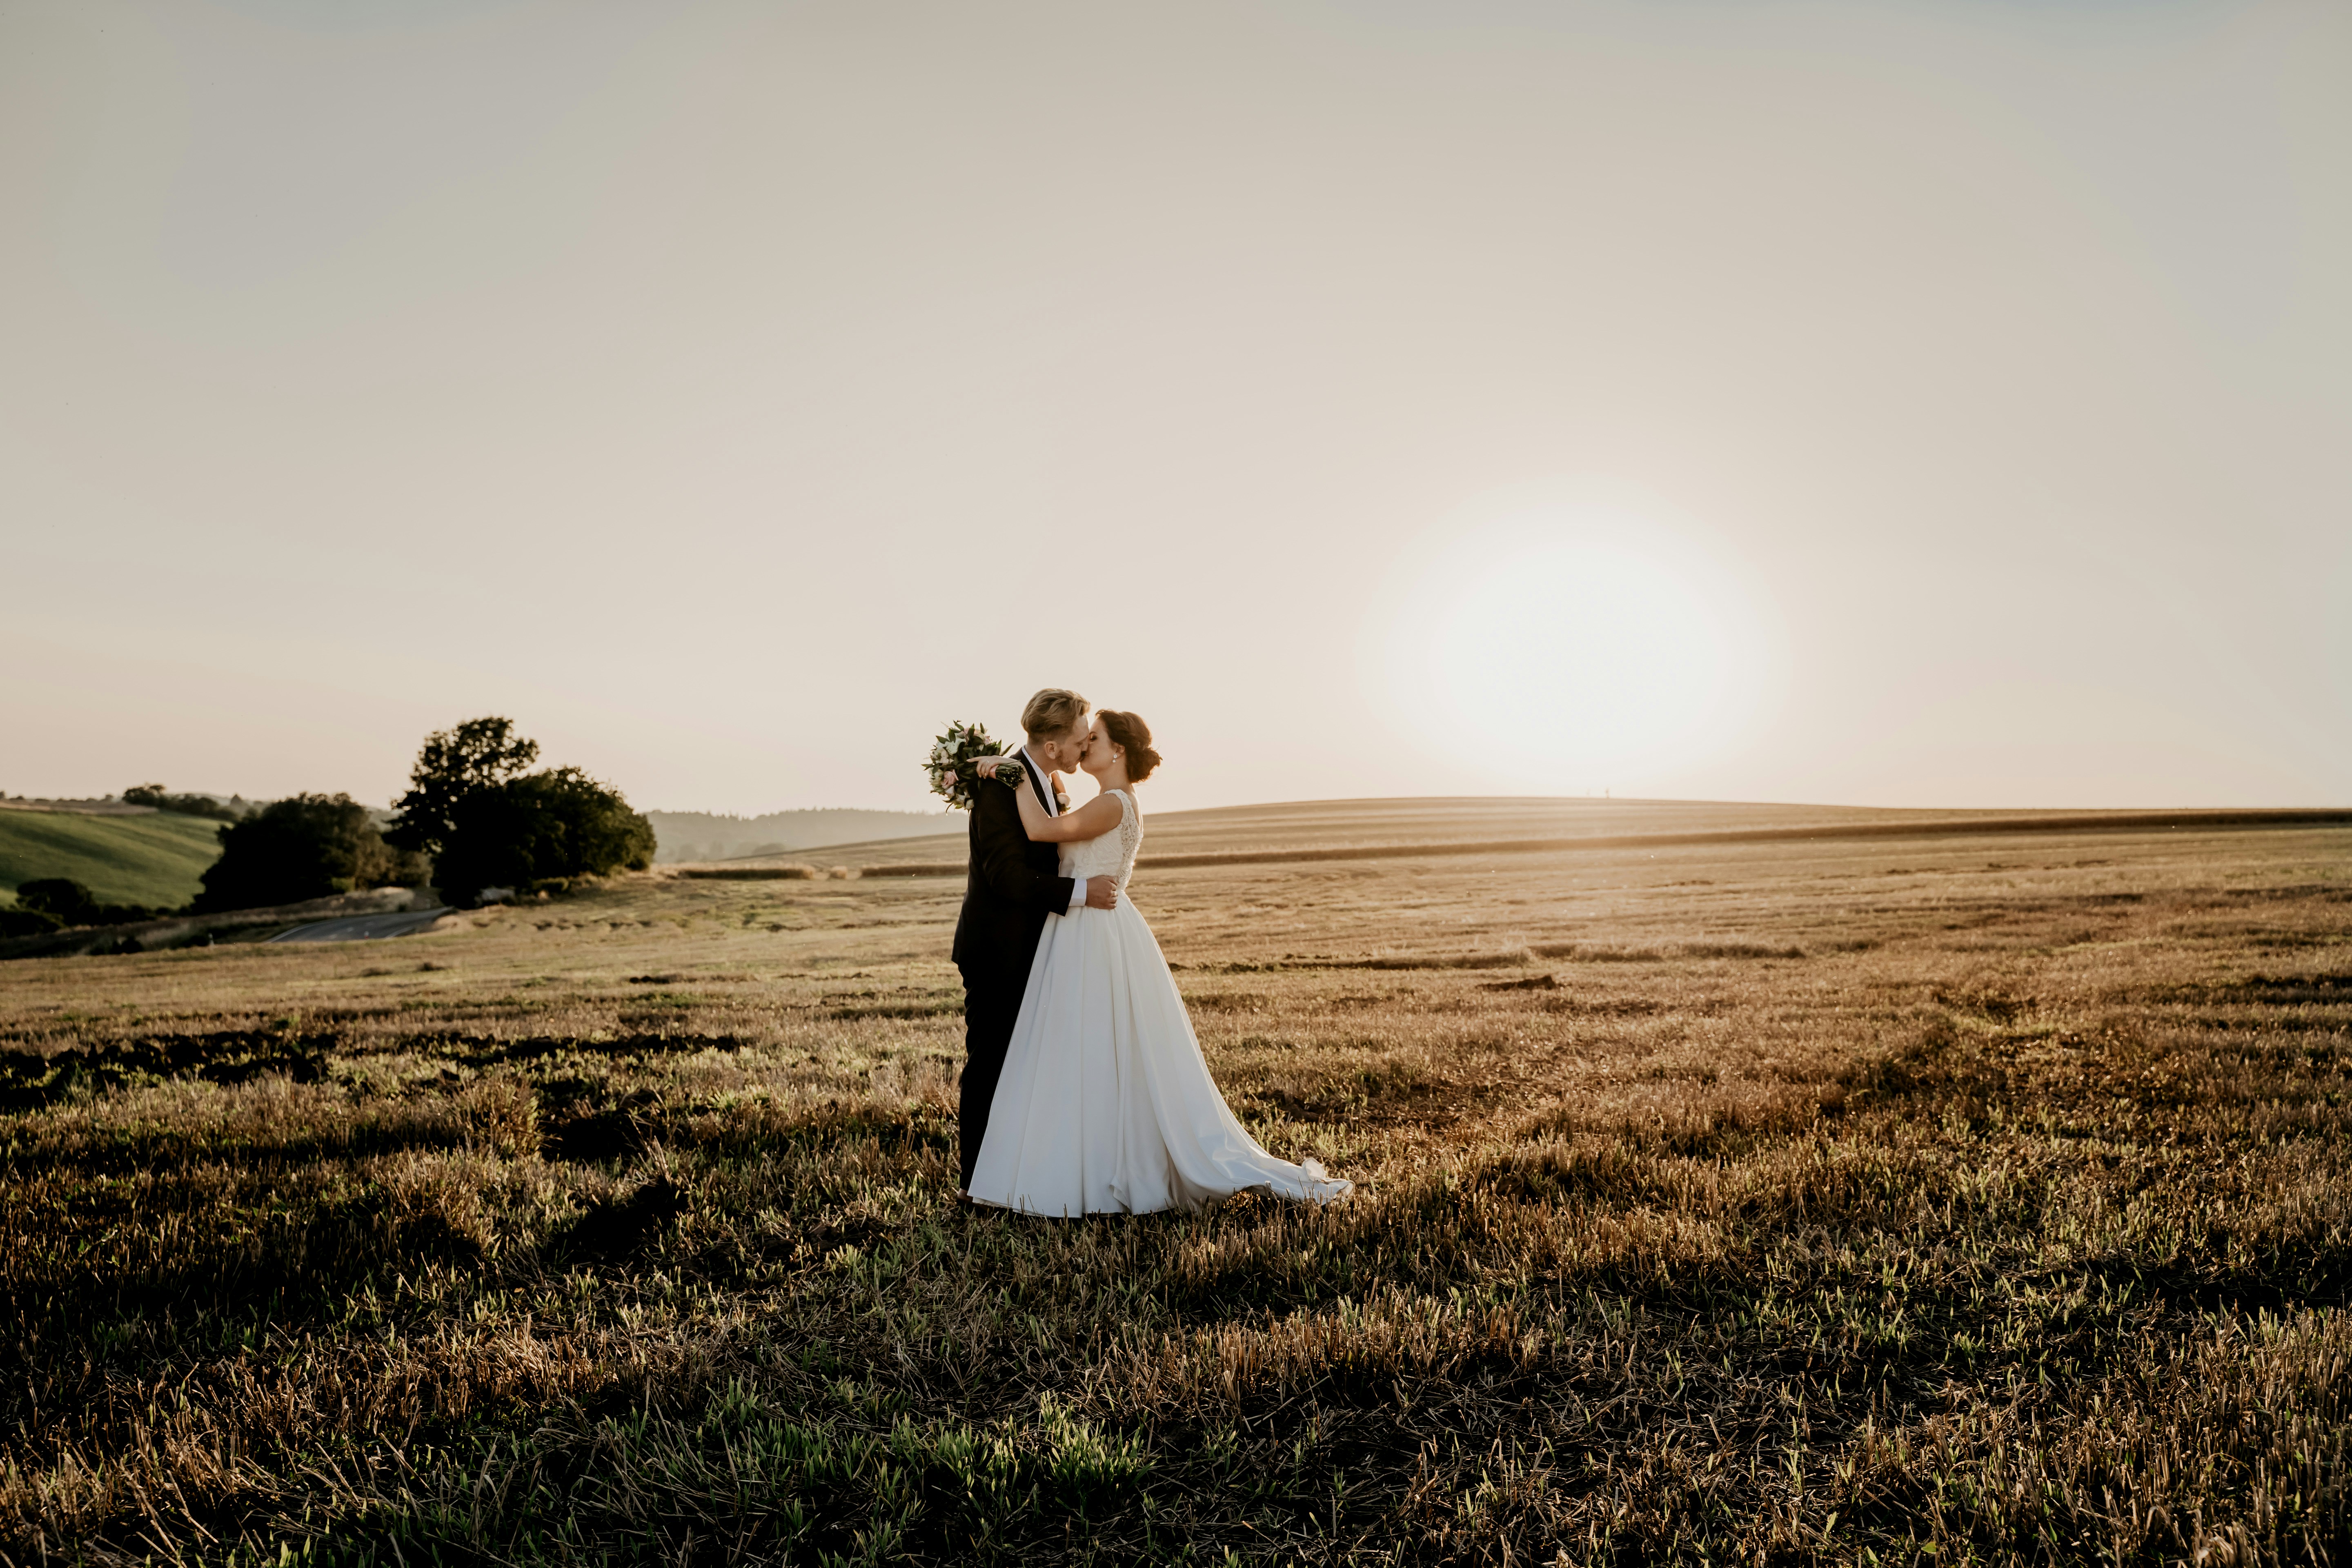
(1054, 808)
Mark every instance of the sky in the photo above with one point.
(1882, 403)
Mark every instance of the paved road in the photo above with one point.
(362, 927)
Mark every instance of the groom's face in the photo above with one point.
(1059, 752)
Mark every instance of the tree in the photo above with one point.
(487, 822)
(62, 899)
(452, 766)
(542, 828)
(162, 799)
(66, 902)
(16, 921)
(304, 847)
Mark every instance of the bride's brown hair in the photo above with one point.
(1132, 735)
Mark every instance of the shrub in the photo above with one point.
(304, 847)
(20, 921)
(68, 903)
(60, 898)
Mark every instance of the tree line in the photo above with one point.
(476, 817)
(162, 799)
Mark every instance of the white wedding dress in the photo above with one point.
(1106, 1105)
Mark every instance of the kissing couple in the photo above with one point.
(1084, 1089)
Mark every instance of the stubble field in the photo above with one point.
(1919, 1201)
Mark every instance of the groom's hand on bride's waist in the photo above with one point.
(1102, 892)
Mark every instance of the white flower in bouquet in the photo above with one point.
(950, 767)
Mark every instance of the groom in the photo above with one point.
(1009, 888)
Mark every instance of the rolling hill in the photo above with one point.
(708, 836)
(1335, 829)
(152, 859)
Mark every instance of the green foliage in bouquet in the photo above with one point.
(950, 765)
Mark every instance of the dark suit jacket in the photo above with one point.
(1010, 885)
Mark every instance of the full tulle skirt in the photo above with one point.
(1106, 1105)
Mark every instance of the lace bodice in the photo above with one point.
(1113, 853)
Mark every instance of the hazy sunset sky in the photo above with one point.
(1928, 404)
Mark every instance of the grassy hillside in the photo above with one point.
(154, 859)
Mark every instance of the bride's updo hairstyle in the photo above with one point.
(1133, 736)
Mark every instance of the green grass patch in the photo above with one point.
(154, 860)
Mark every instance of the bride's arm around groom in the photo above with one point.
(1092, 820)
(1002, 832)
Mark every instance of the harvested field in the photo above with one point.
(1910, 1200)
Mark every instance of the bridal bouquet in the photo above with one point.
(952, 776)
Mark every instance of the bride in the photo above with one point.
(1106, 1105)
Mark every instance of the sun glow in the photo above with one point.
(1565, 650)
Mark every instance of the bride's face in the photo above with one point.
(1095, 753)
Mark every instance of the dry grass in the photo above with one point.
(1901, 1201)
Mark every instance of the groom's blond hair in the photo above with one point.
(1052, 713)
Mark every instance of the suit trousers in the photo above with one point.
(992, 1005)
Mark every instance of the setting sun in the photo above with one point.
(1578, 644)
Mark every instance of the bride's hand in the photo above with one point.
(986, 766)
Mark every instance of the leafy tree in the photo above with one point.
(488, 823)
(542, 828)
(452, 766)
(304, 847)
